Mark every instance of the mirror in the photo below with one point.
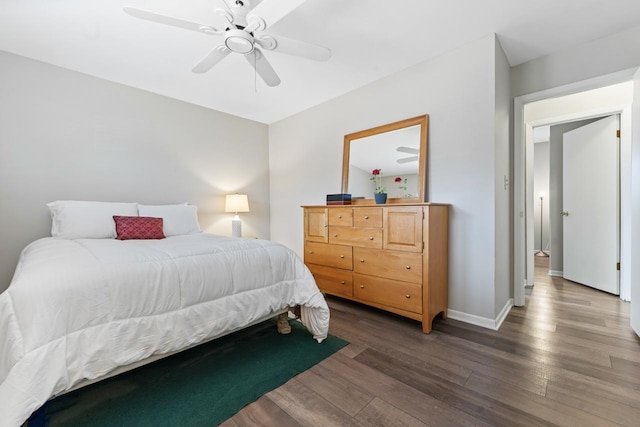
(398, 150)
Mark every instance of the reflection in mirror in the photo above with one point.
(395, 154)
(398, 150)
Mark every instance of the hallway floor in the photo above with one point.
(568, 358)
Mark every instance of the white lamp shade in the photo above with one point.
(236, 203)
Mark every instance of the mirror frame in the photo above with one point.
(423, 121)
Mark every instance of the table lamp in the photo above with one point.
(236, 203)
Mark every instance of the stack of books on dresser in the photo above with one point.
(338, 199)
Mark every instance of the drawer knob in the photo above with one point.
(370, 237)
(342, 282)
(311, 252)
(366, 217)
(361, 286)
(339, 216)
(341, 256)
(408, 267)
(335, 235)
(361, 259)
(407, 296)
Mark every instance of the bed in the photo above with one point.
(79, 309)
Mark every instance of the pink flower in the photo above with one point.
(375, 172)
(398, 179)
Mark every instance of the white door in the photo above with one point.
(591, 205)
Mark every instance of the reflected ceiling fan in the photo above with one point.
(243, 34)
(408, 150)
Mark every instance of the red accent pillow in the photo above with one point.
(138, 227)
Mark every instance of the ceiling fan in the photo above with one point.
(408, 150)
(243, 34)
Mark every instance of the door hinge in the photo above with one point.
(423, 246)
(618, 266)
(618, 133)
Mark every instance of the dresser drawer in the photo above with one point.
(402, 295)
(333, 280)
(363, 237)
(367, 217)
(330, 255)
(390, 264)
(341, 216)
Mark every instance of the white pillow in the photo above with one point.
(177, 219)
(72, 219)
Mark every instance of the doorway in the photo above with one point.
(558, 106)
(576, 182)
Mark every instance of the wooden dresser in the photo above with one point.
(393, 257)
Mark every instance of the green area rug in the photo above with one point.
(202, 386)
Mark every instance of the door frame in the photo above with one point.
(523, 259)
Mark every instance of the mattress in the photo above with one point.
(78, 309)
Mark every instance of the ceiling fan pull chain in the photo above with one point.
(255, 72)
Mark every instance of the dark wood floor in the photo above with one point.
(568, 358)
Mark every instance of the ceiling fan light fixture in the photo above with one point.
(239, 41)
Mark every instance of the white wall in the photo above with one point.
(65, 135)
(635, 210)
(458, 92)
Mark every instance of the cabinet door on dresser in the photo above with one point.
(316, 225)
(403, 228)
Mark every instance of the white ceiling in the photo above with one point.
(369, 39)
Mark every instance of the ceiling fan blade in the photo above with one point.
(264, 69)
(294, 47)
(408, 159)
(274, 10)
(208, 62)
(169, 20)
(408, 150)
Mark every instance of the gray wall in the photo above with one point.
(467, 161)
(503, 195)
(601, 57)
(65, 135)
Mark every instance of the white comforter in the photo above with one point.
(78, 309)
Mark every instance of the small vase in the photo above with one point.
(381, 198)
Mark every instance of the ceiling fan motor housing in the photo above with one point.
(239, 41)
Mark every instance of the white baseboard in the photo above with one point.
(556, 273)
(504, 313)
(485, 322)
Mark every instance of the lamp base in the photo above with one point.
(541, 254)
(236, 227)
